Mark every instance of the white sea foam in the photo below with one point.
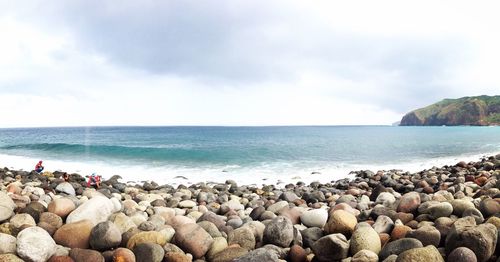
(270, 173)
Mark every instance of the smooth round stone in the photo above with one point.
(66, 188)
(423, 254)
(74, 235)
(428, 235)
(365, 256)
(229, 254)
(20, 220)
(462, 254)
(409, 202)
(476, 214)
(314, 218)
(399, 246)
(187, 204)
(104, 236)
(146, 237)
(149, 252)
(443, 209)
(243, 237)
(279, 232)
(332, 247)
(385, 198)
(10, 258)
(219, 244)
(383, 224)
(399, 231)
(365, 238)
(61, 206)
(35, 244)
(84, 255)
(342, 222)
(489, 207)
(193, 239)
(460, 205)
(7, 244)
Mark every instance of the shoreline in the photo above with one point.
(435, 214)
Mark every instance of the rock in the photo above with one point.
(55, 258)
(34, 209)
(258, 255)
(279, 232)
(19, 221)
(243, 237)
(399, 246)
(460, 205)
(256, 212)
(187, 204)
(489, 207)
(35, 244)
(85, 255)
(314, 218)
(331, 247)
(480, 239)
(122, 222)
(386, 199)
(365, 256)
(462, 254)
(422, 254)
(193, 239)
(219, 244)
(311, 235)
(476, 214)
(104, 236)
(409, 202)
(494, 221)
(365, 238)
(66, 188)
(229, 254)
(297, 254)
(443, 209)
(276, 207)
(341, 221)
(289, 196)
(399, 231)
(61, 206)
(428, 235)
(97, 209)
(74, 235)
(7, 207)
(146, 237)
(177, 257)
(10, 258)
(149, 252)
(7, 244)
(123, 255)
(50, 222)
(383, 224)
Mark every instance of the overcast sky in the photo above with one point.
(77, 63)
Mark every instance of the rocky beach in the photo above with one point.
(449, 213)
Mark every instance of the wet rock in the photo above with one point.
(489, 207)
(297, 254)
(311, 235)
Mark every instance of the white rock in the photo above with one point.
(7, 206)
(187, 204)
(386, 199)
(19, 220)
(314, 218)
(35, 244)
(7, 244)
(66, 187)
(97, 209)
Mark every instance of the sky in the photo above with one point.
(150, 62)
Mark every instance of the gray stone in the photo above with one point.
(331, 248)
(105, 236)
(399, 246)
(35, 244)
(279, 232)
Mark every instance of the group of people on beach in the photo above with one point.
(93, 180)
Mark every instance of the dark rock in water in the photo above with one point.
(399, 246)
(332, 247)
(480, 239)
(85, 255)
(149, 252)
(279, 232)
(311, 235)
(258, 255)
(462, 254)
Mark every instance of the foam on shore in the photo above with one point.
(274, 173)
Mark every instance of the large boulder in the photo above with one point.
(193, 239)
(332, 247)
(74, 235)
(279, 232)
(35, 244)
(97, 209)
(481, 239)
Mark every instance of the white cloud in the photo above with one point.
(240, 63)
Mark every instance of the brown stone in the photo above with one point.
(61, 206)
(85, 255)
(193, 239)
(74, 235)
(123, 255)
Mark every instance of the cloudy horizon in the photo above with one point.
(91, 63)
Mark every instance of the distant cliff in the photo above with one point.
(474, 111)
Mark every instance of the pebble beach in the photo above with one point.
(448, 213)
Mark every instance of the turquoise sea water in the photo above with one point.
(241, 151)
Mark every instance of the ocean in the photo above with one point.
(251, 155)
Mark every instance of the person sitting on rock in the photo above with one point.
(39, 167)
(94, 181)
